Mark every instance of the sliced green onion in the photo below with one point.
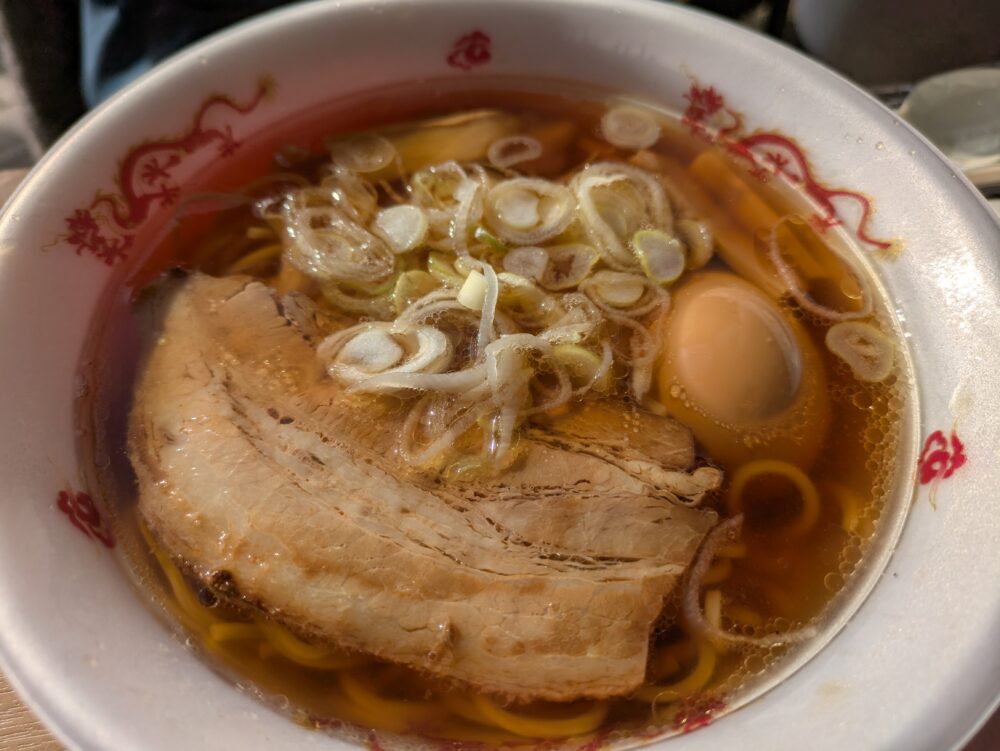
(441, 266)
(363, 153)
(528, 211)
(402, 227)
(568, 265)
(491, 296)
(530, 262)
(615, 201)
(371, 306)
(369, 289)
(512, 150)
(355, 355)
(617, 289)
(437, 186)
(371, 351)
(411, 286)
(516, 209)
(515, 281)
(584, 367)
(466, 265)
(483, 235)
(867, 351)
(629, 127)
(327, 246)
(660, 255)
(521, 296)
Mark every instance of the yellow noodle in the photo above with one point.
(364, 705)
(745, 616)
(733, 550)
(296, 650)
(713, 607)
(333, 662)
(663, 664)
(347, 710)
(234, 631)
(456, 730)
(389, 712)
(389, 191)
(192, 624)
(290, 645)
(184, 607)
(219, 252)
(147, 536)
(779, 598)
(669, 659)
(693, 682)
(719, 571)
(254, 259)
(290, 279)
(682, 651)
(260, 233)
(186, 600)
(809, 514)
(543, 727)
(222, 651)
(461, 706)
(850, 504)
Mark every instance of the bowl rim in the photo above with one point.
(139, 90)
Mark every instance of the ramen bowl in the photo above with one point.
(913, 665)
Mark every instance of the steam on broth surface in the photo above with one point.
(527, 417)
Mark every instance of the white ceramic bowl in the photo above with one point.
(918, 665)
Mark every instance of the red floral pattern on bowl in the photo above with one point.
(470, 50)
(941, 457)
(83, 514)
(773, 153)
(945, 284)
(145, 178)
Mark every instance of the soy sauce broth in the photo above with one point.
(769, 580)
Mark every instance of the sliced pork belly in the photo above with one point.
(252, 464)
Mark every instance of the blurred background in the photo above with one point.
(63, 57)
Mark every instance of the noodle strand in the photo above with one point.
(537, 727)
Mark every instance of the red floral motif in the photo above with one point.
(697, 713)
(83, 513)
(147, 178)
(941, 457)
(470, 50)
(598, 742)
(702, 103)
(771, 153)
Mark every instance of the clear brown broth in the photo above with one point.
(780, 582)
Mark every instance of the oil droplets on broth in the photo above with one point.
(465, 362)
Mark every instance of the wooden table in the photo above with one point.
(19, 730)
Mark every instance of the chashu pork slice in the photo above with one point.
(253, 466)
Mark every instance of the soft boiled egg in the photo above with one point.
(742, 373)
